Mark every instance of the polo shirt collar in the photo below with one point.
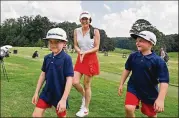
(146, 56)
(59, 55)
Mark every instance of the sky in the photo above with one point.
(115, 17)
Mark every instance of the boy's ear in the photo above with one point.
(151, 44)
(64, 44)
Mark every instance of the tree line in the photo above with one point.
(168, 42)
(28, 31)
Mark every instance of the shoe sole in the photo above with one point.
(82, 116)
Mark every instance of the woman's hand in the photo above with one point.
(82, 54)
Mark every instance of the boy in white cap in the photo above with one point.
(57, 72)
(148, 70)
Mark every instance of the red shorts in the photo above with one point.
(146, 109)
(89, 65)
(42, 104)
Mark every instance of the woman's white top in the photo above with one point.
(84, 42)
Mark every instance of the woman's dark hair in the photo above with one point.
(91, 31)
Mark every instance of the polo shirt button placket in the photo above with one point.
(52, 61)
(142, 59)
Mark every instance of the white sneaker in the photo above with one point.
(83, 112)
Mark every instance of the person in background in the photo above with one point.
(162, 53)
(35, 54)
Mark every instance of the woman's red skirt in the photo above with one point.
(89, 65)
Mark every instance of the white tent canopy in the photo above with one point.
(6, 47)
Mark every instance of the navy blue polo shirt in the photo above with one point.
(56, 69)
(147, 72)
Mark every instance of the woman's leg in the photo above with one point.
(76, 83)
(87, 87)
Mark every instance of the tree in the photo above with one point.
(141, 25)
(103, 37)
(171, 43)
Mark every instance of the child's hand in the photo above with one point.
(120, 89)
(35, 98)
(159, 105)
(61, 106)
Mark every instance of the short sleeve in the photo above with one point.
(68, 67)
(128, 63)
(163, 74)
(43, 68)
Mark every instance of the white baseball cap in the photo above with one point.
(56, 33)
(147, 35)
(85, 14)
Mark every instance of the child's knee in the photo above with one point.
(130, 108)
(38, 112)
(35, 115)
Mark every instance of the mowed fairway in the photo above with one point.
(23, 72)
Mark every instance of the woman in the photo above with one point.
(162, 53)
(86, 43)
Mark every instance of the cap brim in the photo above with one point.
(85, 16)
(54, 39)
(45, 38)
(134, 36)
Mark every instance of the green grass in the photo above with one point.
(119, 50)
(23, 72)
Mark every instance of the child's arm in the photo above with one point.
(163, 76)
(68, 73)
(39, 85)
(124, 76)
(163, 91)
(62, 104)
(159, 103)
(67, 88)
(40, 82)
